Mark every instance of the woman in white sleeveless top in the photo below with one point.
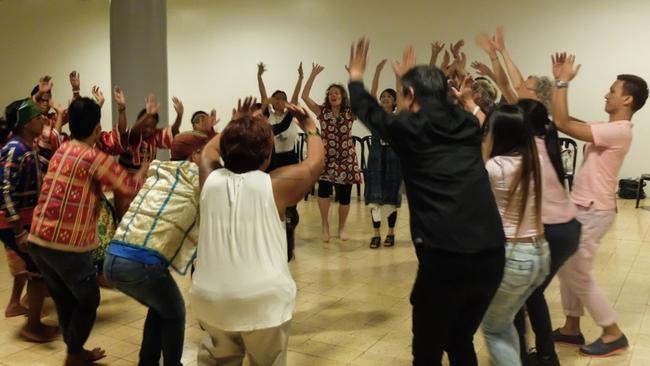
(242, 293)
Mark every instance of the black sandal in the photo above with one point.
(390, 241)
(375, 242)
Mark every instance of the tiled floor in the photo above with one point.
(352, 306)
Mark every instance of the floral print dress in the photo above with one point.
(341, 166)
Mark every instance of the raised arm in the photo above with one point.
(375, 79)
(261, 68)
(436, 48)
(502, 81)
(464, 96)
(121, 109)
(99, 96)
(513, 71)
(313, 106)
(284, 125)
(178, 107)
(483, 70)
(75, 83)
(291, 183)
(296, 89)
(564, 72)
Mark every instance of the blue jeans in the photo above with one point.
(153, 286)
(526, 268)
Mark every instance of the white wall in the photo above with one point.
(214, 45)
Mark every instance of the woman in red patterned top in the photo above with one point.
(341, 167)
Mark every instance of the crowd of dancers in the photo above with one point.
(490, 218)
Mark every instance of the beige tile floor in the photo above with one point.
(352, 305)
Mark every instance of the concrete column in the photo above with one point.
(139, 55)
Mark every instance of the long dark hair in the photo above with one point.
(541, 126)
(8, 123)
(511, 135)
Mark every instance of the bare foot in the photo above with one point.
(15, 310)
(41, 333)
(94, 355)
(343, 235)
(325, 234)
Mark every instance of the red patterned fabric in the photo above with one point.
(147, 149)
(65, 217)
(341, 165)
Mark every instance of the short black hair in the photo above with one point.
(429, 84)
(85, 115)
(144, 111)
(636, 87)
(196, 114)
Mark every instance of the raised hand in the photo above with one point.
(118, 94)
(484, 41)
(300, 72)
(455, 48)
(151, 105)
(481, 68)
(464, 92)
(45, 85)
(305, 121)
(359, 58)
(408, 61)
(563, 66)
(381, 64)
(437, 47)
(245, 108)
(460, 64)
(75, 80)
(178, 106)
(446, 59)
(99, 96)
(261, 68)
(316, 69)
(499, 39)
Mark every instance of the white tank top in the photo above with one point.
(242, 280)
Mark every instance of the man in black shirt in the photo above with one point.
(455, 224)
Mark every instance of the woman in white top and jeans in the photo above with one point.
(516, 179)
(242, 292)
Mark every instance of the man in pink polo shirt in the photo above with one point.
(594, 193)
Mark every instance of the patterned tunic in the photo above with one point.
(341, 165)
(65, 217)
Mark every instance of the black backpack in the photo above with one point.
(627, 188)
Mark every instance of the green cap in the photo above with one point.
(27, 112)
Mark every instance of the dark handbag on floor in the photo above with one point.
(627, 188)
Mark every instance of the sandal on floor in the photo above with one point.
(390, 241)
(375, 242)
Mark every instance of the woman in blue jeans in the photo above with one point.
(516, 180)
(159, 230)
(561, 229)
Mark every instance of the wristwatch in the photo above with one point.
(561, 84)
(313, 133)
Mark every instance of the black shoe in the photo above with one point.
(602, 349)
(375, 242)
(534, 359)
(390, 241)
(576, 340)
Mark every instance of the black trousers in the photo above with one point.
(71, 279)
(452, 291)
(563, 240)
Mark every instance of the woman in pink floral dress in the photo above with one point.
(341, 167)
